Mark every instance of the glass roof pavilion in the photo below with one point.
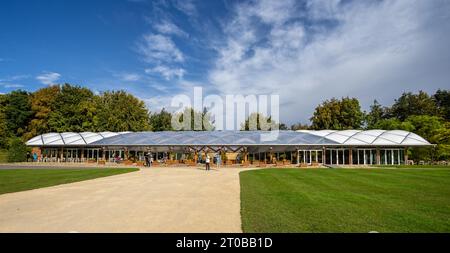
(326, 147)
(232, 138)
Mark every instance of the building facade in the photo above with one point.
(305, 147)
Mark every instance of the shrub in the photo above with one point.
(17, 150)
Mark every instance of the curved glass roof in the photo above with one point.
(232, 138)
(58, 139)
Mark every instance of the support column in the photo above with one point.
(350, 156)
(378, 157)
(406, 156)
(82, 154)
(324, 155)
(104, 154)
(61, 156)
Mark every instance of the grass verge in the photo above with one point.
(15, 180)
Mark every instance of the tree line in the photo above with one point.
(71, 108)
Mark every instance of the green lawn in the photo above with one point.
(27, 179)
(346, 200)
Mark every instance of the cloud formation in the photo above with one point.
(169, 28)
(322, 49)
(48, 78)
(159, 48)
(166, 72)
(128, 77)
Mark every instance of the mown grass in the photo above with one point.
(346, 200)
(15, 180)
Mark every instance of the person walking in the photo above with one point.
(207, 161)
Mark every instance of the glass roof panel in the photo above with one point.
(231, 138)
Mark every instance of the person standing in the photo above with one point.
(219, 160)
(207, 161)
(147, 162)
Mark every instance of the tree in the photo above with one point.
(73, 110)
(376, 114)
(17, 112)
(257, 121)
(119, 111)
(393, 124)
(161, 121)
(338, 115)
(203, 122)
(283, 126)
(442, 99)
(426, 126)
(3, 126)
(300, 126)
(42, 102)
(413, 104)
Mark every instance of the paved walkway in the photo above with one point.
(151, 200)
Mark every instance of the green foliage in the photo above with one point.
(377, 113)
(393, 124)
(338, 114)
(300, 126)
(17, 150)
(42, 102)
(161, 121)
(442, 99)
(3, 156)
(73, 110)
(410, 104)
(257, 121)
(119, 111)
(17, 112)
(283, 126)
(203, 122)
(426, 126)
(3, 120)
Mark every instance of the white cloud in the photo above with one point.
(11, 85)
(186, 6)
(367, 49)
(169, 28)
(166, 72)
(157, 103)
(48, 77)
(159, 48)
(128, 77)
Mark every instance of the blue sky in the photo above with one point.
(305, 51)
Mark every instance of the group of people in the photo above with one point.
(217, 161)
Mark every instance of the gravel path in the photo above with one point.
(150, 200)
